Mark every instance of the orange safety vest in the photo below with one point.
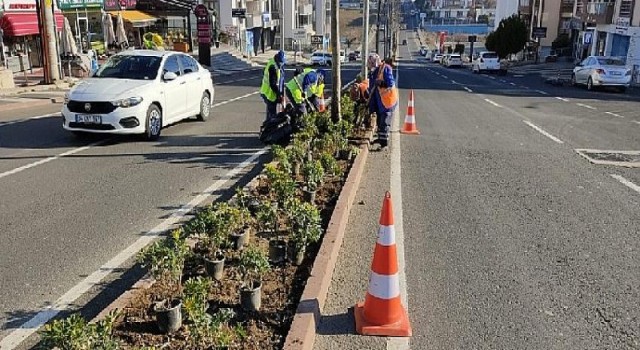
(388, 96)
(364, 86)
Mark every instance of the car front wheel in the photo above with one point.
(205, 107)
(590, 84)
(154, 123)
(573, 80)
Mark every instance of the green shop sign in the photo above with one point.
(79, 4)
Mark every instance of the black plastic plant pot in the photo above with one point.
(253, 205)
(215, 268)
(251, 296)
(296, 255)
(309, 196)
(277, 251)
(239, 239)
(168, 315)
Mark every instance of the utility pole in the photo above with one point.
(282, 25)
(335, 61)
(365, 39)
(51, 42)
(378, 27)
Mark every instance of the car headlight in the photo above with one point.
(127, 102)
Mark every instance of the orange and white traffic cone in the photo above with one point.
(382, 313)
(410, 119)
(321, 106)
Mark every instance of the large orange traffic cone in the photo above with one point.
(410, 119)
(382, 312)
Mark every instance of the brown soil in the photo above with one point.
(281, 290)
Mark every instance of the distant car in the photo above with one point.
(437, 57)
(139, 92)
(358, 55)
(353, 57)
(423, 51)
(595, 71)
(454, 60)
(321, 58)
(486, 61)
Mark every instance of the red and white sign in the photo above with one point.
(21, 5)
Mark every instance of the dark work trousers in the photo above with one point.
(384, 126)
(271, 108)
(300, 107)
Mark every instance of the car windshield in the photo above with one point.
(611, 61)
(130, 67)
(489, 55)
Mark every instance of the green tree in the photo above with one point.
(459, 49)
(508, 38)
(561, 41)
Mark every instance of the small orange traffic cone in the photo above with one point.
(321, 107)
(382, 312)
(410, 119)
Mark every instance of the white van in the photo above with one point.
(343, 56)
(486, 61)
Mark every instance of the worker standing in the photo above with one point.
(301, 86)
(360, 96)
(317, 90)
(383, 97)
(272, 89)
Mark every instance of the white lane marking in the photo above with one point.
(525, 87)
(637, 122)
(562, 99)
(537, 128)
(614, 114)
(542, 92)
(626, 182)
(492, 102)
(512, 84)
(585, 106)
(27, 119)
(454, 82)
(237, 80)
(445, 77)
(468, 90)
(396, 193)
(52, 158)
(235, 99)
(503, 81)
(490, 77)
(18, 335)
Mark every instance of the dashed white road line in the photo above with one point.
(468, 90)
(614, 114)
(492, 102)
(19, 334)
(540, 130)
(512, 84)
(637, 122)
(454, 82)
(585, 106)
(503, 81)
(490, 77)
(542, 92)
(626, 182)
(52, 158)
(562, 99)
(27, 119)
(444, 76)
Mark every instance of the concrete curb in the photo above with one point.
(303, 328)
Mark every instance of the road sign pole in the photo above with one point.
(365, 39)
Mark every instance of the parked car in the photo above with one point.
(321, 58)
(486, 61)
(595, 71)
(454, 60)
(343, 56)
(353, 57)
(139, 92)
(423, 51)
(437, 57)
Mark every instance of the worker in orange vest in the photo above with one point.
(360, 96)
(384, 97)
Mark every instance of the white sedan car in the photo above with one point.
(139, 92)
(596, 71)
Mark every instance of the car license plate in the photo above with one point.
(89, 118)
(616, 73)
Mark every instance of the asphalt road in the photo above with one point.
(69, 206)
(512, 240)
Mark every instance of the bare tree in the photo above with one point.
(335, 61)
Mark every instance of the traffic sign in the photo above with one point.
(472, 38)
(316, 39)
(539, 32)
(239, 13)
(299, 33)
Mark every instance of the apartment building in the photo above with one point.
(267, 20)
(621, 35)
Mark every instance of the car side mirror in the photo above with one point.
(169, 76)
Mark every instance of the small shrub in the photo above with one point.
(74, 333)
(254, 263)
(313, 174)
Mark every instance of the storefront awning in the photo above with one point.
(22, 24)
(136, 18)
